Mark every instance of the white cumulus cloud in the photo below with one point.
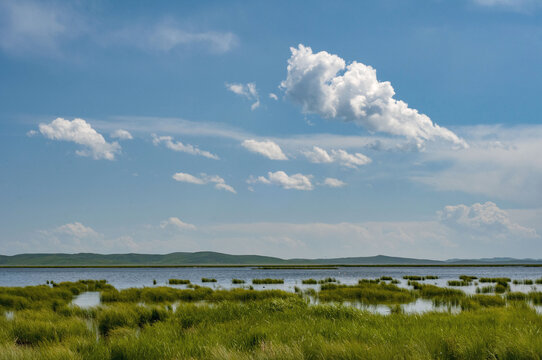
(246, 90)
(121, 134)
(334, 183)
(203, 179)
(177, 223)
(314, 82)
(318, 155)
(80, 132)
(483, 219)
(280, 178)
(179, 146)
(267, 148)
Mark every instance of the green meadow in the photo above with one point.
(40, 322)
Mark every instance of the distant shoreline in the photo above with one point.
(265, 267)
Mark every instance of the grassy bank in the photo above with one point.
(269, 324)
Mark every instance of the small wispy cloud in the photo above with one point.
(169, 36)
(175, 222)
(511, 5)
(219, 183)
(344, 158)
(121, 134)
(33, 27)
(247, 91)
(267, 148)
(179, 146)
(282, 179)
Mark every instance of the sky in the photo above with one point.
(344, 128)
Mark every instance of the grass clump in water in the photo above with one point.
(366, 292)
(485, 289)
(309, 281)
(208, 280)
(237, 281)
(267, 281)
(523, 282)
(458, 283)
(327, 280)
(178, 282)
(419, 278)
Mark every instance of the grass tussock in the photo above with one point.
(208, 280)
(267, 281)
(366, 292)
(420, 278)
(523, 282)
(309, 281)
(458, 283)
(177, 282)
(237, 281)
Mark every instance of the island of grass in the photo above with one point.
(178, 282)
(267, 281)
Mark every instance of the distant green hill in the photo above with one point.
(215, 258)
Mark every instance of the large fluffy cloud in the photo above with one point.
(267, 148)
(219, 182)
(179, 146)
(314, 82)
(280, 178)
(80, 132)
(319, 155)
(483, 219)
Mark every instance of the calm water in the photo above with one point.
(138, 277)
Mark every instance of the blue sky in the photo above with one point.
(406, 128)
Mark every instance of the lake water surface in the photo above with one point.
(138, 277)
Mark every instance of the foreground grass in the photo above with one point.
(269, 329)
(272, 324)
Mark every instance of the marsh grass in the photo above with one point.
(485, 289)
(501, 280)
(327, 280)
(267, 281)
(420, 278)
(237, 281)
(208, 280)
(309, 282)
(458, 283)
(523, 282)
(176, 282)
(248, 324)
(366, 292)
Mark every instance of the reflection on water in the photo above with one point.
(87, 299)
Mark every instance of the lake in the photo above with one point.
(138, 277)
